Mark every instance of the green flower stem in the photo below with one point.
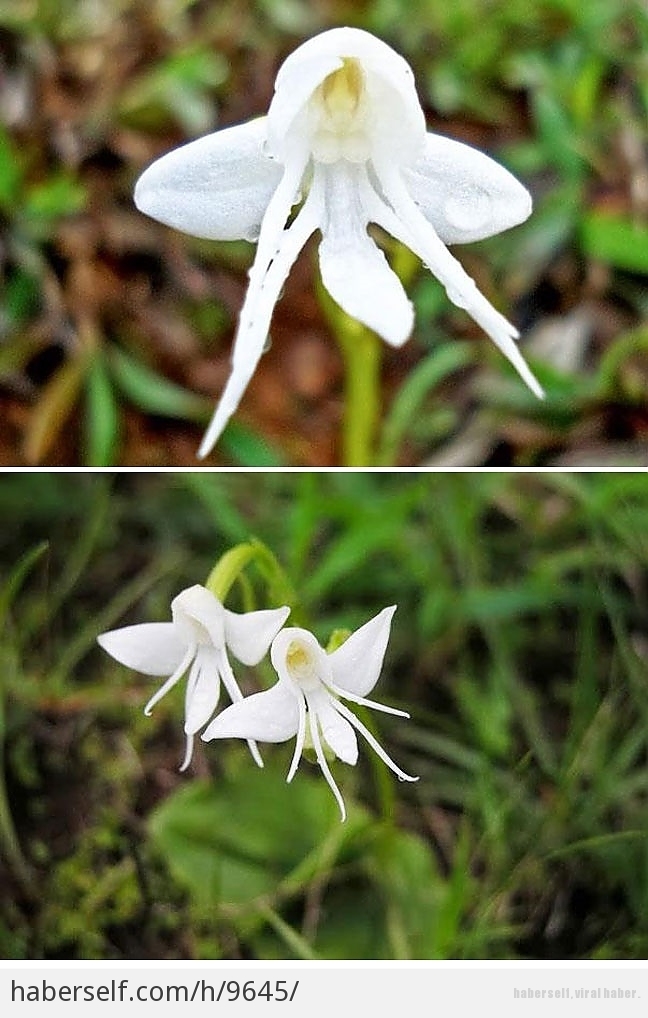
(288, 934)
(362, 354)
(231, 566)
(228, 568)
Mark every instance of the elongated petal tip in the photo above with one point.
(188, 753)
(216, 427)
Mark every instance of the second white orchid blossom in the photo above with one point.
(306, 702)
(196, 640)
(345, 134)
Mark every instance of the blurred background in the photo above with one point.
(519, 647)
(116, 332)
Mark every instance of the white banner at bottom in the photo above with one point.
(325, 989)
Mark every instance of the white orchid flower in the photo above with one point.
(196, 640)
(346, 134)
(307, 695)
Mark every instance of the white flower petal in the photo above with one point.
(337, 732)
(406, 222)
(171, 681)
(188, 753)
(275, 255)
(249, 636)
(354, 270)
(398, 123)
(153, 648)
(375, 745)
(235, 694)
(363, 702)
(295, 83)
(299, 741)
(297, 657)
(203, 689)
(464, 193)
(198, 614)
(271, 716)
(321, 759)
(217, 187)
(356, 664)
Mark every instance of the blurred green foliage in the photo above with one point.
(519, 647)
(558, 90)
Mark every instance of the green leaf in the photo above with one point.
(18, 575)
(10, 172)
(58, 196)
(180, 84)
(404, 868)
(248, 449)
(154, 394)
(21, 294)
(617, 240)
(102, 419)
(619, 369)
(238, 838)
(409, 400)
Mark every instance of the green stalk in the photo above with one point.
(361, 353)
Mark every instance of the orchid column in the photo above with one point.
(345, 136)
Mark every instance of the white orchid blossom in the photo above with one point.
(345, 134)
(196, 640)
(308, 696)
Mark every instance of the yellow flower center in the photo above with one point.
(302, 664)
(339, 104)
(341, 91)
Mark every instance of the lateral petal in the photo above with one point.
(217, 187)
(153, 648)
(405, 221)
(354, 270)
(464, 193)
(249, 635)
(276, 253)
(356, 664)
(270, 716)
